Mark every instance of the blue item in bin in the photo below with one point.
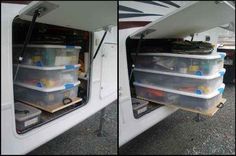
(199, 73)
(198, 91)
(39, 63)
(39, 84)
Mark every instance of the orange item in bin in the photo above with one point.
(156, 92)
(188, 89)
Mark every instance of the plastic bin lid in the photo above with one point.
(30, 111)
(138, 103)
(47, 46)
(211, 56)
(63, 87)
(65, 67)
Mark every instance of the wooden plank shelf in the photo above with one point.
(53, 108)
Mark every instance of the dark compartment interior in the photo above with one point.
(146, 46)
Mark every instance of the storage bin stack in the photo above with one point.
(47, 75)
(193, 82)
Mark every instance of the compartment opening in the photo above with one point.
(146, 45)
(57, 62)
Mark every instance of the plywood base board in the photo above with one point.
(52, 108)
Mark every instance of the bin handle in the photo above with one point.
(221, 105)
(21, 111)
(67, 100)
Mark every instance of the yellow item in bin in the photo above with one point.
(66, 94)
(205, 89)
(36, 58)
(48, 83)
(73, 60)
(193, 68)
(50, 97)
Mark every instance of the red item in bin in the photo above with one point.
(156, 92)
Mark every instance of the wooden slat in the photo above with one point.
(52, 108)
(210, 112)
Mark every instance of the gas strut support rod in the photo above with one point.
(103, 37)
(106, 29)
(27, 39)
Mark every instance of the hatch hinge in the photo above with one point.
(145, 33)
(43, 7)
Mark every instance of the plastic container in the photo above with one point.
(139, 106)
(200, 103)
(47, 55)
(26, 116)
(183, 82)
(47, 77)
(43, 96)
(180, 63)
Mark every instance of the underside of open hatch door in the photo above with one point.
(195, 17)
(84, 15)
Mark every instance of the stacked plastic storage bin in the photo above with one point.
(193, 82)
(47, 75)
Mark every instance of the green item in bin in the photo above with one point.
(49, 57)
(206, 66)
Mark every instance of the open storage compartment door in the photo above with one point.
(193, 18)
(196, 17)
(84, 15)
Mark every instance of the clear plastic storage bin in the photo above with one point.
(139, 106)
(200, 103)
(46, 78)
(42, 96)
(26, 116)
(47, 55)
(180, 63)
(183, 82)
